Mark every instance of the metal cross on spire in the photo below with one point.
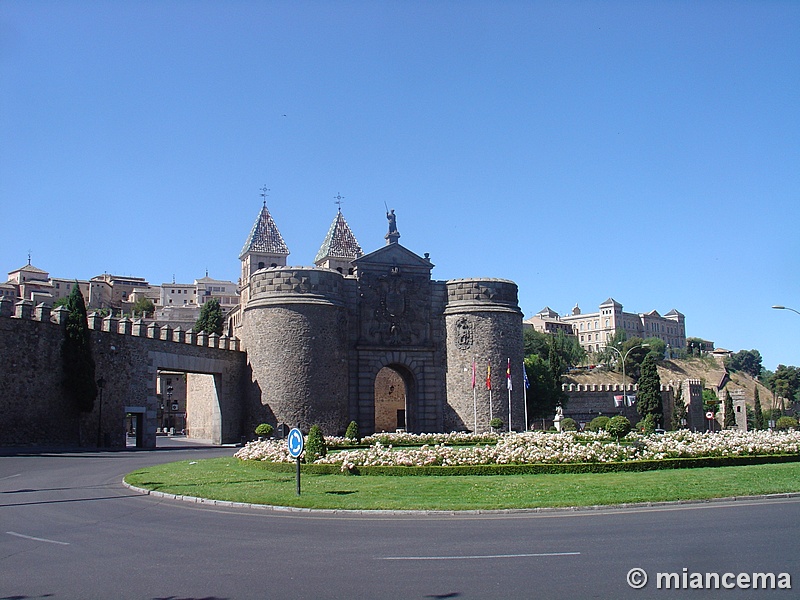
(339, 199)
(264, 194)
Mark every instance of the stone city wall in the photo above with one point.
(128, 355)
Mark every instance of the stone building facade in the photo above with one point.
(320, 340)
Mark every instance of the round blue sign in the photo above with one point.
(295, 441)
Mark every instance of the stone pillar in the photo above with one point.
(139, 328)
(94, 321)
(42, 313)
(59, 315)
(165, 333)
(178, 335)
(24, 309)
(153, 331)
(125, 326)
(110, 323)
(6, 306)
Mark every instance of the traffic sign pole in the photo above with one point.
(295, 443)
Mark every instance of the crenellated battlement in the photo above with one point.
(617, 387)
(299, 283)
(25, 310)
(481, 294)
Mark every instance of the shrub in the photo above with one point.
(598, 424)
(619, 427)
(647, 425)
(315, 445)
(265, 429)
(496, 423)
(352, 431)
(786, 423)
(569, 424)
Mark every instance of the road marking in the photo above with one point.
(37, 539)
(10, 476)
(479, 556)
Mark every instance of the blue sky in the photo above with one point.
(645, 151)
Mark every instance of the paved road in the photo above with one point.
(70, 530)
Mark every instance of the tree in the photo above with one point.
(758, 415)
(143, 307)
(747, 361)
(730, 416)
(648, 400)
(785, 382)
(547, 358)
(211, 319)
(315, 445)
(76, 355)
(619, 426)
(656, 346)
(352, 431)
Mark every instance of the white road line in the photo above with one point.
(479, 556)
(36, 539)
(10, 476)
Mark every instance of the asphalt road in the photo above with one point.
(69, 529)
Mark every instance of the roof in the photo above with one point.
(612, 302)
(264, 238)
(29, 268)
(340, 241)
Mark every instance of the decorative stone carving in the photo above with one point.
(463, 333)
(395, 308)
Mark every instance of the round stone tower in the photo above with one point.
(294, 328)
(484, 325)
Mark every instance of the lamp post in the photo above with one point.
(779, 307)
(169, 406)
(623, 357)
(101, 383)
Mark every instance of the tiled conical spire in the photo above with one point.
(264, 238)
(340, 243)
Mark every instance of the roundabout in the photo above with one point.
(72, 530)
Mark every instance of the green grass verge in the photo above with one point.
(242, 481)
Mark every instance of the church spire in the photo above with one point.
(265, 238)
(340, 247)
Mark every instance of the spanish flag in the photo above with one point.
(489, 376)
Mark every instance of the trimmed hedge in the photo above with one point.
(538, 469)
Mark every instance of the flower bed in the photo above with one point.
(540, 448)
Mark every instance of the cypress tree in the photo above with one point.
(76, 355)
(730, 416)
(758, 413)
(648, 401)
(211, 319)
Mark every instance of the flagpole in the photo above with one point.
(474, 398)
(510, 386)
(509, 410)
(525, 393)
(525, 396)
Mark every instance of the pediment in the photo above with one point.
(392, 255)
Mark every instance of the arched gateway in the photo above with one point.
(336, 343)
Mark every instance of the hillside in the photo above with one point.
(709, 369)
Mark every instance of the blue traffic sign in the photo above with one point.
(295, 441)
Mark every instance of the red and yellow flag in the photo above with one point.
(489, 376)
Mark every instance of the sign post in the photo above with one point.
(295, 443)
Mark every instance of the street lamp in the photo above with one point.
(623, 357)
(779, 307)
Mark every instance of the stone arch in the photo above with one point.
(412, 369)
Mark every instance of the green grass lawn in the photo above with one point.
(240, 481)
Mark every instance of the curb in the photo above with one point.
(455, 513)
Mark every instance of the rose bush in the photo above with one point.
(537, 447)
